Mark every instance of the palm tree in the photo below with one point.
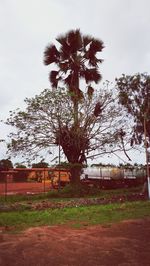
(76, 59)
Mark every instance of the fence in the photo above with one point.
(31, 181)
(40, 180)
(9, 186)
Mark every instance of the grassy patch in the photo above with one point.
(76, 216)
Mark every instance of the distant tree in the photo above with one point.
(41, 164)
(126, 165)
(20, 165)
(6, 164)
(103, 165)
(20, 176)
(134, 95)
(98, 165)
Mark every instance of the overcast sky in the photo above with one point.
(27, 26)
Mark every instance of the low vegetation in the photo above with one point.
(66, 206)
(70, 192)
(75, 216)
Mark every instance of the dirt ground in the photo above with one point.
(125, 243)
(24, 188)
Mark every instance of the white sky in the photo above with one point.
(27, 26)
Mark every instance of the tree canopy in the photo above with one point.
(75, 58)
(6, 164)
(20, 165)
(134, 95)
(40, 164)
(49, 120)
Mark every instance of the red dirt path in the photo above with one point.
(126, 244)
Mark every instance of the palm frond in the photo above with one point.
(96, 46)
(68, 80)
(87, 40)
(51, 55)
(61, 39)
(92, 74)
(65, 48)
(64, 66)
(98, 109)
(74, 40)
(65, 51)
(90, 92)
(53, 78)
(93, 61)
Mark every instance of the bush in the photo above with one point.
(78, 190)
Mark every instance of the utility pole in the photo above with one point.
(147, 157)
(44, 179)
(59, 166)
(6, 175)
(59, 150)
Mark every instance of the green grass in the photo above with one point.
(76, 216)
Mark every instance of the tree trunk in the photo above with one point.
(76, 114)
(75, 171)
(145, 188)
(75, 84)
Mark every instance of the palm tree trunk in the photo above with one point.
(76, 118)
(76, 99)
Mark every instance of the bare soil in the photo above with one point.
(125, 243)
(24, 188)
